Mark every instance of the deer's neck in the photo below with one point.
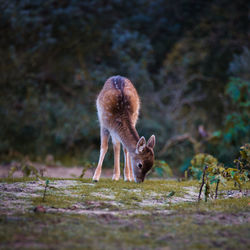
(128, 136)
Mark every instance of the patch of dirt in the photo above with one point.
(98, 212)
(101, 195)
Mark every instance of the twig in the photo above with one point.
(203, 182)
(175, 140)
(216, 190)
(45, 189)
(207, 190)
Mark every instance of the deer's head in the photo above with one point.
(143, 158)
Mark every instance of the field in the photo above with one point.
(158, 214)
(189, 62)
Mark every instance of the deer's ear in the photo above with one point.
(151, 142)
(141, 144)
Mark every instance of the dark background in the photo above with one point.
(189, 61)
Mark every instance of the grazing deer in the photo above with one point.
(118, 108)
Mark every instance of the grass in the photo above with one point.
(184, 230)
(129, 194)
(216, 224)
(225, 205)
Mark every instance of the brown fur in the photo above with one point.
(118, 109)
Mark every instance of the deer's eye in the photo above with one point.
(139, 165)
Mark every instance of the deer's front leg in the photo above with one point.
(130, 168)
(126, 165)
(116, 147)
(103, 151)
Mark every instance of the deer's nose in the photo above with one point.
(138, 180)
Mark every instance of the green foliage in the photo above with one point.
(161, 169)
(201, 160)
(198, 163)
(238, 90)
(236, 127)
(237, 124)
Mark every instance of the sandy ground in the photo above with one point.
(56, 171)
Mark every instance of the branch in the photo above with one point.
(180, 138)
(216, 190)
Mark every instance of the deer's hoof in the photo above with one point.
(95, 180)
(115, 178)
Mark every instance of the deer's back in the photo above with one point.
(117, 102)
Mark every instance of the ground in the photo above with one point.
(157, 214)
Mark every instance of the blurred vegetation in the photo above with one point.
(188, 59)
(161, 169)
(207, 168)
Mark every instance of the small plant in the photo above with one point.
(45, 189)
(26, 167)
(170, 195)
(87, 165)
(206, 168)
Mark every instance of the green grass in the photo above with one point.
(216, 224)
(127, 193)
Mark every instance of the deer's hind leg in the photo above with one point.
(103, 150)
(116, 147)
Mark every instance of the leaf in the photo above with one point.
(222, 180)
(217, 133)
(214, 179)
(171, 194)
(232, 173)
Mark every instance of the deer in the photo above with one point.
(118, 106)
